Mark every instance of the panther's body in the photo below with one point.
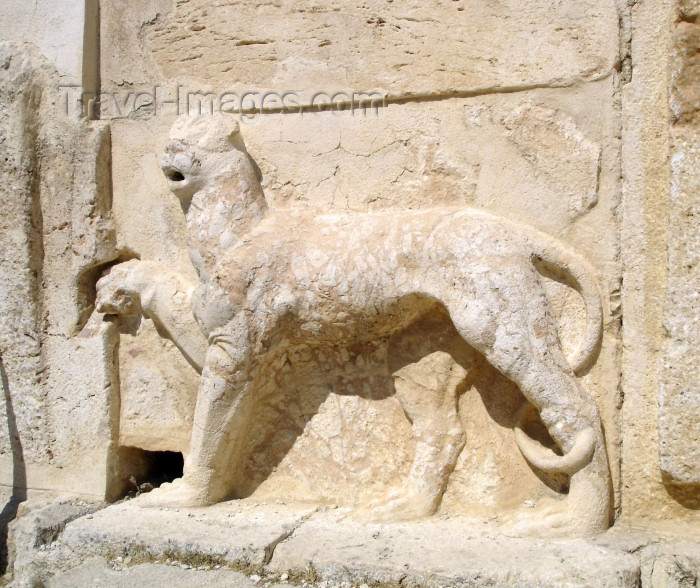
(336, 274)
(269, 280)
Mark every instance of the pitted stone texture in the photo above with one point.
(22, 77)
(230, 532)
(671, 566)
(39, 523)
(402, 48)
(326, 548)
(98, 573)
(51, 540)
(685, 70)
(56, 232)
(679, 373)
(453, 552)
(689, 9)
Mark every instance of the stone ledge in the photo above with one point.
(304, 545)
(97, 572)
(449, 552)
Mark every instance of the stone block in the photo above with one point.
(397, 49)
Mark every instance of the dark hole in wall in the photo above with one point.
(141, 470)
(166, 466)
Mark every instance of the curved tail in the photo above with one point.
(551, 253)
(578, 457)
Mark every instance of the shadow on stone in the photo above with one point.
(19, 474)
(687, 496)
(292, 401)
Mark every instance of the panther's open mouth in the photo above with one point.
(174, 175)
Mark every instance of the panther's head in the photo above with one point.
(201, 150)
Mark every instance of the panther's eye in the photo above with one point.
(174, 176)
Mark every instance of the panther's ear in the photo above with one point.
(230, 126)
(232, 130)
(214, 133)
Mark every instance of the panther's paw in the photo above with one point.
(400, 504)
(549, 518)
(176, 494)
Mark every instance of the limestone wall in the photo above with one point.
(577, 118)
(58, 386)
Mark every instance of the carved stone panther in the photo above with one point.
(270, 280)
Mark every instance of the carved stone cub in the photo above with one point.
(273, 279)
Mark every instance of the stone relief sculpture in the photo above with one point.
(273, 280)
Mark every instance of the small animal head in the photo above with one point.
(202, 149)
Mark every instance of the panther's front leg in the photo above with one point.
(225, 401)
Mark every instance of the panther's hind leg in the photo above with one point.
(505, 316)
(578, 431)
(427, 391)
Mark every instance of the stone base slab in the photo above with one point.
(246, 543)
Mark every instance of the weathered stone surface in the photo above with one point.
(448, 553)
(679, 370)
(158, 391)
(270, 543)
(646, 203)
(39, 524)
(232, 532)
(97, 573)
(679, 391)
(57, 29)
(689, 9)
(244, 535)
(685, 71)
(158, 387)
(21, 79)
(57, 231)
(553, 145)
(675, 565)
(397, 48)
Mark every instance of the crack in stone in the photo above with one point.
(270, 548)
